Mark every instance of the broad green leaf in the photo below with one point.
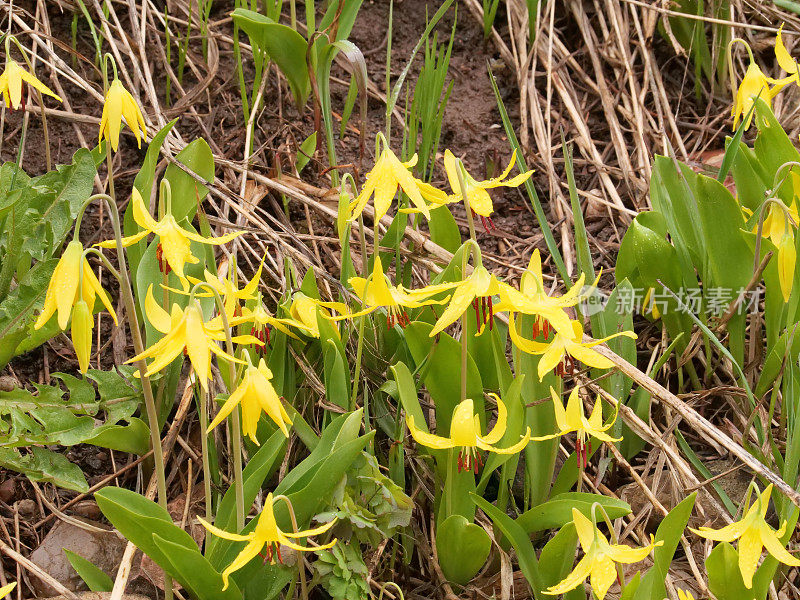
(462, 547)
(557, 512)
(652, 586)
(187, 193)
(93, 577)
(45, 465)
(526, 555)
(557, 556)
(258, 469)
(283, 45)
(150, 528)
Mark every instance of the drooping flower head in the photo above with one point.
(72, 280)
(174, 241)
(377, 292)
(532, 299)
(465, 434)
(120, 103)
(262, 321)
(7, 589)
(11, 80)
(185, 329)
(477, 289)
(598, 560)
(266, 533)
(382, 181)
(71, 293)
(256, 395)
(572, 418)
(562, 352)
(478, 197)
(755, 84)
(754, 534)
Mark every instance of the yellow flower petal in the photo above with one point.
(428, 439)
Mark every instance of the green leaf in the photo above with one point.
(283, 45)
(526, 556)
(187, 193)
(555, 561)
(444, 230)
(305, 152)
(45, 465)
(725, 579)
(336, 375)
(463, 548)
(557, 512)
(652, 586)
(16, 312)
(150, 528)
(91, 575)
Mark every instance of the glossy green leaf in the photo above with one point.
(558, 555)
(528, 563)
(557, 512)
(462, 547)
(150, 528)
(283, 45)
(93, 577)
(652, 585)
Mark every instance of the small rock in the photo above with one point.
(102, 549)
(26, 507)
(7, 383)
(8, 490)
(87, 509)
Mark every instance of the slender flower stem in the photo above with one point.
(236, 426)
(295, 529)
(464, 351)
(138, 346)
(204, 450)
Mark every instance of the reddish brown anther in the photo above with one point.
(163, 265)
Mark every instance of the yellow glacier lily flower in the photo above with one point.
(563, 350)
(779, 227)
(6, 589)
(266, 533)
(386, 176)
(304, 310)
(173, 244)
(685, 595)
(11, 80)
(186, 329)
(256, 394)
(262, 321)
(228, 290)
(598, 561)
(118, 104)
(478, 289)
(478, 198)
(66, 288)
(572, 418)
(754, 534)
(532, 299)
(377, 292)
(465, 434)
(755, 84)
